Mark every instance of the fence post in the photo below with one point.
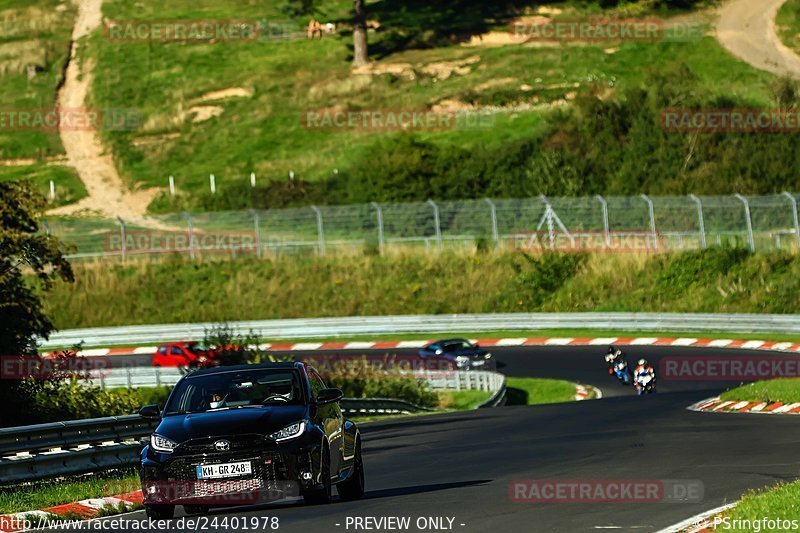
(257, 226)
(606, 231)
(750, 239)
(172, 186)
(437, 221)
(794, 217)
(213, 183)
(700, 220)
(493, 214)
(320, 230)
(652, 214)
(123, 244)
(188, 218)
(379, 214)
(52, 190)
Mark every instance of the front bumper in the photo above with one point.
(278, 471)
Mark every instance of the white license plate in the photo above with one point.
(224, 470)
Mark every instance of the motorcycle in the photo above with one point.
(645, 384)
(620, 369)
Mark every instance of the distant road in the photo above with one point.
(747, 29)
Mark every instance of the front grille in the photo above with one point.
(238, 443)
(263, 476)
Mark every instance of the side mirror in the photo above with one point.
(327, 396)
(151, 412)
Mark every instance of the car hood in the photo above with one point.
(248, 420)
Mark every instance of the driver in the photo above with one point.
(215, 400)
(613, 356)
(643, 369)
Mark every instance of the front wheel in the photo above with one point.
(322, 495)
(353, 487)
(159, 512)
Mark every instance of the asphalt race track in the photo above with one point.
(460, 465)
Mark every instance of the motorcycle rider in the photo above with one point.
(614, 356)
(644, 369)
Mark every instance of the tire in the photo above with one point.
(196, 509)
(323, 495)
(353, 487)
(159, 512)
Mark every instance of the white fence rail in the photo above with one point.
(396, 325)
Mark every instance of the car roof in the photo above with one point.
(234, 368)
(448, 341)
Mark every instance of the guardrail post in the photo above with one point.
(651, 212)
(794, 217)
(749, 220)
(123, 244)
(320, 231)
(188, 218)
(700, 220)
(437, 221)
(493, 214)
(257, 227)
(379, 215)
(606, 231)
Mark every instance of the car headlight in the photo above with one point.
(462, 360)
(487, 356)
(161, 444)
(438, 352)
(289, 432)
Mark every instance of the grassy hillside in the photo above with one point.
(177, 291)
(788, 24)
(533, 137)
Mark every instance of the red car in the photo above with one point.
(184, 353)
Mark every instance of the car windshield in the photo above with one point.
(236, 389)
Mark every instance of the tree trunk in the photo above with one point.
(360, 56)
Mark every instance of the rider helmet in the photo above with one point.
(642, 362)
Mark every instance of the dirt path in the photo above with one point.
(107, 194)
(747, 29)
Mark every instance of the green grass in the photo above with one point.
(785, 390)
(774, 503)
(536, 391)
(288, 78)
(41, 494)
(788, 24)
(33, 32)
(68, 186)
(462, 400)
(173, 291)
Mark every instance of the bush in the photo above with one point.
(411, 390)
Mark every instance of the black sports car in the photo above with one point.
(248, 434)
(462, 353)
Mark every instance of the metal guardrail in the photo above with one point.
(147, 376)
(44, 451)
(396, 325)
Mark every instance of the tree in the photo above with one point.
(24, 246)
(360, 56)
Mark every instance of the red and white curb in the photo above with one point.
(80, 510)
(567, 341)
(584, 392)
(699, 523)
(717, 405)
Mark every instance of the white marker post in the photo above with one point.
(52, 190)
(213, 184)
(252, 180)
(171, 186)
(291, 175)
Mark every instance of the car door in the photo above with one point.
(177, 355)
(331, 420)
